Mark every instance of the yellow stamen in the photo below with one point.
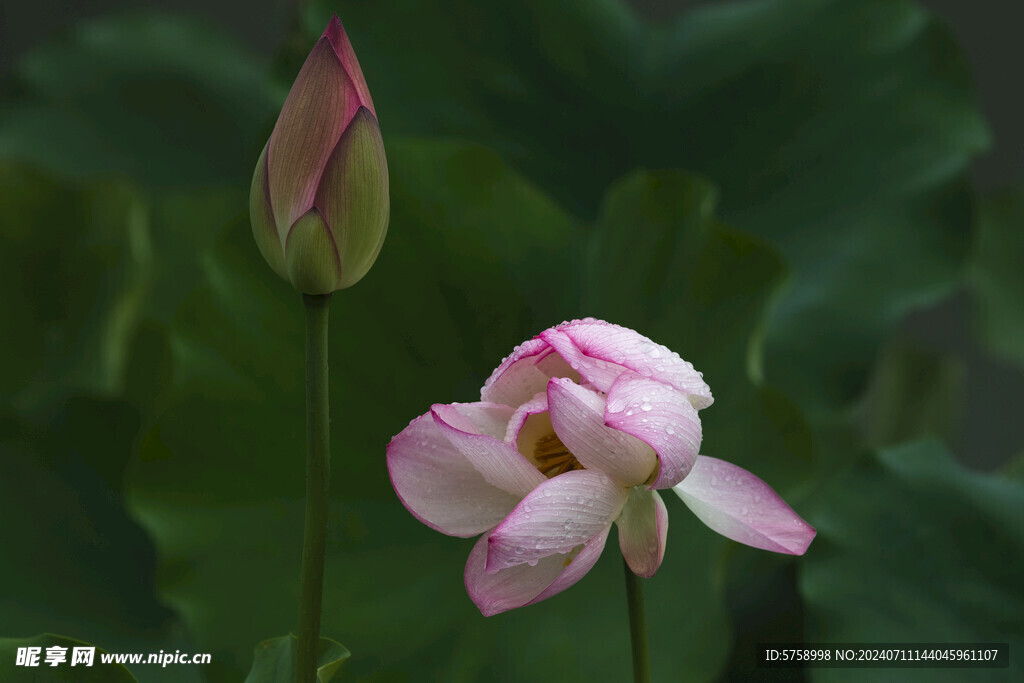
(553, 458)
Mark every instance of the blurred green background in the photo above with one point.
(803, 198)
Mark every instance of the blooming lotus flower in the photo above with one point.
(319, 197)
(578, 429)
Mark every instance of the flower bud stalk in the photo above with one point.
(318, 476)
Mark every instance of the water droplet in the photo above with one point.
(744, 511)
(669, 431)
(646, 406)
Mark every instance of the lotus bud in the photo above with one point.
(319, 198)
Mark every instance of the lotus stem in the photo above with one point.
(318, 475)
(637, 626)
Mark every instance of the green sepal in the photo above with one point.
(264, 229)
(275, 659)
(311, 256)
(353, 195)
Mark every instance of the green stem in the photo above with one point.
(637, 626)
(318, 475)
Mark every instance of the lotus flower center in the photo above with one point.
(552, 457)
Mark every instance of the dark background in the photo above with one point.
(987, 31)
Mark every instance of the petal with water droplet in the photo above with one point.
(603, 351)
(769, 523)
(578, 416)
(439, 486)
(525, 373)
(519, 539)
(668, 423)
(476, 430)
(526, 584)
(643, 530)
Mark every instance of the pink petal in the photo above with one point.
(560, 514)
(524, 584)
(476, 430)
(601, 351)
(538, 405)
(577, 414)
(439, 486)
(524, 373)
(489, 419)
(335, 33)
(661, 417)
(740, 506)
(498, 592)
(517, 378)
(577, 567)
(643, 530)
(308, 128)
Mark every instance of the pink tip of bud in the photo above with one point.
(335, 33)
(336, 36)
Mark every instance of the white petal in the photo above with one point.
(643, 530)
(577, 415)
(439, 486)
(601, 351)
(578, 566)
(499, 463)
(525, 373)
(662, 417)
(538, 405)
(738, 505)
(557, 516)
(526, 584)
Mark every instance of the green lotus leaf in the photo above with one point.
(913, 547)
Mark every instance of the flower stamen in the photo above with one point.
(553, 458)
